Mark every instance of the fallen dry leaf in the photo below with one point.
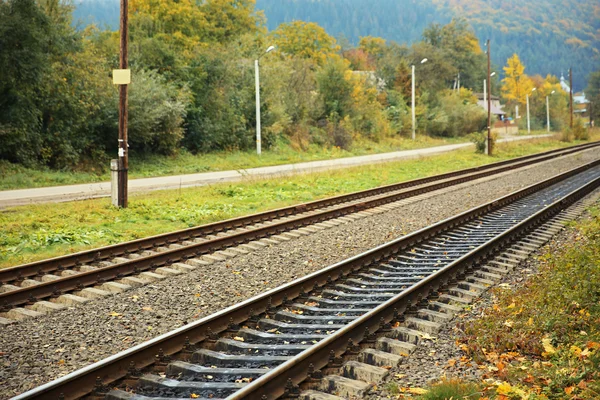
(417, 390)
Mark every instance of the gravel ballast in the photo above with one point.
(441, 357)
(35, 351)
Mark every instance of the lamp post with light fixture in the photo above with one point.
(489, 102)
(423, 61)
(257, 81)
(528, 120)
(548, 111)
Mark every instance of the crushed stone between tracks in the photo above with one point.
(35, 351)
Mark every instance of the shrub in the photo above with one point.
(579, 131)
(479, 138)
(339, 135)
(566, 135)
(456, 117)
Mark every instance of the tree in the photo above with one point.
(592, 92)
(305, 40)
(516, 85)
(24, 33)
(335, 89)
(373, 46)
(457, 42)
(230, 19)
(359, 60)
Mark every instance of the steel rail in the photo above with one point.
(272, 385)
(81, 280)
(103, 253)
(82, 382)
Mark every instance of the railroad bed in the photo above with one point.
(338, 329)
(50, 285)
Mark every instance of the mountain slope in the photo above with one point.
(549, 35)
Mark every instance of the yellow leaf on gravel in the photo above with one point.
(194, 396)
(114, 314)
(417, 391)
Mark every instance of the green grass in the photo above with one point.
(453, 389)
(36, 232)
(543, 340)
(14, 176)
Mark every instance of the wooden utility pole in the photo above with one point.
(489, 101)
(123, 147)
(571, 95)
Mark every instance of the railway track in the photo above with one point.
(31, 289)
(334, 331)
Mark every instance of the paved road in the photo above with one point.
(9, 198)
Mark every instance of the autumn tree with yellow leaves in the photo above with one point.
(306, 40)
(516, 85)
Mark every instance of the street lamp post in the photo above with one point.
(528, 120)
(548, 112)
(488, 146)
(414, 128)
(257, 82)
(486, 102)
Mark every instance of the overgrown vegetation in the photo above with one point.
(192, 88)
(542, 341)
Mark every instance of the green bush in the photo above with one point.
(456, 116)
(579, 131)
(479, 138)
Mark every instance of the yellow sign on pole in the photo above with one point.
(121, 76)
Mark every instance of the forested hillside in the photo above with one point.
(548, 35)
(193, 80)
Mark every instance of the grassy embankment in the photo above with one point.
(35, 232)
(18, 177)
(541, 341)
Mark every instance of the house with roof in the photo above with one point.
(500, 123)
(580, 102)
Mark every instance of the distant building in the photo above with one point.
(497, 108)
(371, 79)
(580, 103)
(500, 124)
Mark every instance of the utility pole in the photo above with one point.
(123, 150)
(257, 84)
(571, 95)
(412, 94)
(489, 101)
(547, 115)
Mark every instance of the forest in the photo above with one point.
(192, 84)
(549, 35)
